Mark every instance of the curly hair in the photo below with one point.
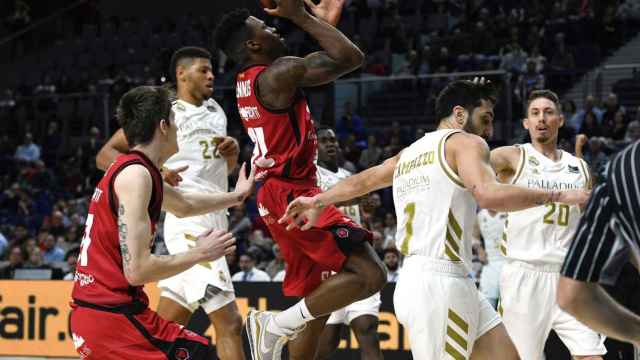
(231, 33)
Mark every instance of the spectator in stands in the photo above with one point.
(529, 81)
(633, 132)
(539, 59)
(232, 261)
(611, 108)
(562, 58)
(239, 223)
(391, 260)
(52, 252)
(36, 261)
(16, 260)
(615, 127)
(569, 110)
(514, 58)
(389, 231)
(372, 155)
(52, 144)
(350, 123)
(92, 145)
(20, 234)
(594, 154)
(248, 270)
(28, 151)
(590, 126)
(71, 258)
(588, 107)
(57, 223)
(277, 264)
(29, 246)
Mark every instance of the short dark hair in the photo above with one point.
(464, 93)
(323, 127)
(184, 53)
(547, 94)
(391, 249)
(140, 111)
(231, 33)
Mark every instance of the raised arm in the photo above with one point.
(116, 145)
(471, 157)
(192, 204)
(354, 186)
(338, 57)
(133, 188)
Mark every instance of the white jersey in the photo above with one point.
(200, 130)
(541, 235)
(328, 179)
(435, 212)
(492, 229)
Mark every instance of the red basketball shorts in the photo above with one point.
(106, 335)
(312, 254)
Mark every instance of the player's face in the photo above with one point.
(271, 43)
(481, 121)
(327, 146)
(543, 120)
(198, 77)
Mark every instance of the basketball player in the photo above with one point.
(535, 240)
(490, 225)
(276, 116)
(437, 182)
(361, 316)
(607, 237)
(205, 157)
(110, 317)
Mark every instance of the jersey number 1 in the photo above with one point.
(86, 241)
(410, 211)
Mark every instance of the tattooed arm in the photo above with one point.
(133, 187)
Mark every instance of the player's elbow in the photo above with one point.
(484, 198)
(134, 277)
(355, 60)
(102, 162)
(183, 209)
(567, 296)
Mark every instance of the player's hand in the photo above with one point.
(244, 185)
(574, 197)
(289, 9)
(228, 147)
(581, 140)
(172, 176)
(302, 213)
(327, 10)
(214, 244)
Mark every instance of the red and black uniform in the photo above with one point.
(110, 318)
(284, 153)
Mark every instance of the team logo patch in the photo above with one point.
(182, 354)
(221, 276)
(342, 233)
(573, 169)
(211, 108)
(533, 161)
(180, 107)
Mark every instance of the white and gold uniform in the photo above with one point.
(491, 228)
(435, 298)
(200, 130)
(371, 305)
(535, 243)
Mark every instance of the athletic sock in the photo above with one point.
(287, 321)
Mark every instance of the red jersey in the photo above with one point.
(285, 142)
(99, 277)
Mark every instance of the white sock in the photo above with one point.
(287, 321)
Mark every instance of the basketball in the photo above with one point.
(268, 4)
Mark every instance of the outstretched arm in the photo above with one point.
(192, 204)
(591, 304)
(280, 81)
(133, 188)
(354, 186)
(471, 155)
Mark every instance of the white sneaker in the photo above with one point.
(264, 344)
